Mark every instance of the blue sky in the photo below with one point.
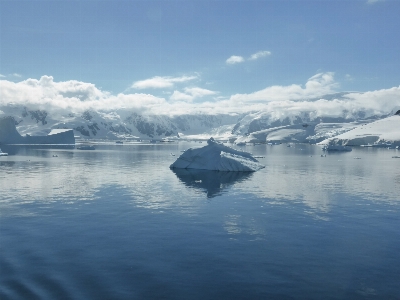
(175, 49)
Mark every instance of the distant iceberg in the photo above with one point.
(218, 157)
(336, 147)
(10, 135)
(3, 153)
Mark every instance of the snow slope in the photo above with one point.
(379, 133)
(299, 133)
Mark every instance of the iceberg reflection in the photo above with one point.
(212, 182)
(26, 149)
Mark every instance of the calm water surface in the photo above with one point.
(117, 223)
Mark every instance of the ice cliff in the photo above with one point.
(218, 157)
(10, 135)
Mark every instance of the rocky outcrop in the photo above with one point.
(38, 115)
(156, 127)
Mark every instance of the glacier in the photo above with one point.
(381, 133)
(218, 157)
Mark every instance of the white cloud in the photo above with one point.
(199, 92)
(179, 96)
(16, 75)
(259, 54)
(317, 85)
(159, 82)
(1, 75)
(234, 59)
(62, 97)
(374, 1)
(190, 94)
(348, 77)
(75, 96)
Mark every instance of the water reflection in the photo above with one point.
(212, 182)
(44, 173)
(322, 183)
(25, 149)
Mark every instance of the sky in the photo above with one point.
(192, 54)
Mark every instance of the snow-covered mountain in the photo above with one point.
(116, 125)
(278, 125)
(381, 133)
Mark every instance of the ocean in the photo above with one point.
(117, 223)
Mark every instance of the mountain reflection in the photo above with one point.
(212, 182)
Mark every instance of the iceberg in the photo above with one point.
(217, 157)
(10, 135)
(86, 147)
(3, 153)
(336, 147)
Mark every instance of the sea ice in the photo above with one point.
(218, 157)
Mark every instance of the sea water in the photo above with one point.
(117, 223)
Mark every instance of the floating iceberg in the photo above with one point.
(336, 147)
(3, 153)
(216, 156)
(86, 147)
(10, 135)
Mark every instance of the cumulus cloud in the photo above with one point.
(1, 75)
(71, 95)
(234, 59)
(259, 54)
(63, 97)
(16, 75)
(317, 85)
(199, 92)
(190, 94)
(159, 82)
(179, 96)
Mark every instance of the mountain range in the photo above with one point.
(256, 126)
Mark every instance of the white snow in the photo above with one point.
(281, 134)
(218, 157)
(327, 130)
(3, 153)
(57, 131)
(382, 132)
